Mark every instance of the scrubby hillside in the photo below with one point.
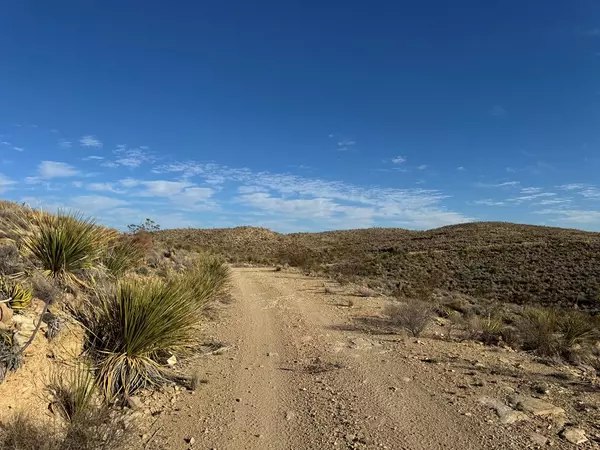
(508, 262)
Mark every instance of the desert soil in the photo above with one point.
(302, 369)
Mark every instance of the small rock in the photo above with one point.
(172, 360)
(6, 314)
(135, 403)
(191, 441)
(538, 439)
(537, 407)
(406, 379)
(574, 435)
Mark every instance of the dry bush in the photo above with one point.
(44, 288)
(72, 391)
(413, 316)
(364, 291)
(11, 261)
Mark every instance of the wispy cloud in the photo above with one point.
(63, 143)
(504, 184)
(104, 187)
(90, 141)
(5, 183)
(461, 168)
(497, 110)
(422, 167)
(19, 149)
(93, 158)
(592, 32)
(52, 169)
(337, 202)
(399, 160)
(96, 203)
(573, 217)
(132, 157)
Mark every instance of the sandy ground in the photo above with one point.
(304, 370)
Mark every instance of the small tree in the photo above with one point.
(146, 226)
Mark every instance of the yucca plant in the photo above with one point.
(17, 296)
(64, 244)
(576, 328)
(10, 356)
(538, 329)
(124, 255)
(132, 330)
(207, 280)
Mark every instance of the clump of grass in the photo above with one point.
(207, 280)
(72, 391)
(413, 316)
(486, 329)
(131, 330)
(124, 255)
(83, 422)
(64, 244)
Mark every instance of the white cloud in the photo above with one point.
(5, 143)
(495, 185)
(90, 141)
(422, 167)
(489, 202)
(93, 158)
(63, 143)
(162, 188)
(5, 183)
(531, 190)
(77, 184)
(497, 110)
(53, 169)
(461, 168)
(132, 157)
(19, 149)
(104, 187)
(96, 203)
(574, 217)
(399, 160)
(302, 198)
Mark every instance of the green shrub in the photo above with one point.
(486, 329)
(413, 316)
(65, 244)
(130, 332)
(124, 255)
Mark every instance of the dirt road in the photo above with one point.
(299, 376)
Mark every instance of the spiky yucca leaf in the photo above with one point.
(124, 255)
(65, 244)
(131, 330)
(576, 328)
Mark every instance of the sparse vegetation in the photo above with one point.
(413, 316)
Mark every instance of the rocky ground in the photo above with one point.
(306, 364)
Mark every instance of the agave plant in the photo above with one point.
(17, 296)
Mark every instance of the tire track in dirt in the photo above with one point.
(295, 379)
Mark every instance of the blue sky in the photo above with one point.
(302, 116)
